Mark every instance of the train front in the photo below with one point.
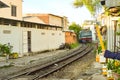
(85, 36)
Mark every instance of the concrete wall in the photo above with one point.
(6, 12)
(70, 37)
(52, 19)
(33, 19)
(92, 28)
(65, 23)
(40, 39)
(55, 20)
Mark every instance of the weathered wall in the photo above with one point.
(40, 39)
(55, 20)
(70, 37)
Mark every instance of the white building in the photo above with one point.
(26, 35)
(89, 24)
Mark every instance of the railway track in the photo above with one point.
(37, 72)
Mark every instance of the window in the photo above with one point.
(13, 10)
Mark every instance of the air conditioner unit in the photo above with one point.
(112, 3)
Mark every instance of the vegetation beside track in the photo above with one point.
(74, 45)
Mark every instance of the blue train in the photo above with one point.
(85, 36)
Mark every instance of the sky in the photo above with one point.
(57, 7)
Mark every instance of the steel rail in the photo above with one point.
(55, 65)
(53, 68)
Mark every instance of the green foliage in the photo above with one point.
(118, 32)
(99, 49)
(74, 45)
(7, 66)
(91, 5)
(76, 28)
(118, 78)
(78, 3)
(105, 43)
(110, 64)
(114, 65)
(5, 49)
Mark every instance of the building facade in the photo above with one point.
(26, 40)
(26, 35)
(52, 19)
(13, 11)
(112, 21)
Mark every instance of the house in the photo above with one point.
(52, 19)
(28, 34)
(113, 28)
(111, 20)
(14, 11)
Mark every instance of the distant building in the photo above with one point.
(52, 19)
(89, 24)
(33, 19)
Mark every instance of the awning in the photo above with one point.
(3, 5)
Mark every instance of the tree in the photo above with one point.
(76, 28)
(91, 5)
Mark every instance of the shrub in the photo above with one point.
(74, 45)
(5, 49)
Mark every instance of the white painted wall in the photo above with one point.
(111, 32)
(92, 28)
(17, 37)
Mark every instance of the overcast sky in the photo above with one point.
(57, 7)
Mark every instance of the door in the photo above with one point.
(26, 41)
(29, 40)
